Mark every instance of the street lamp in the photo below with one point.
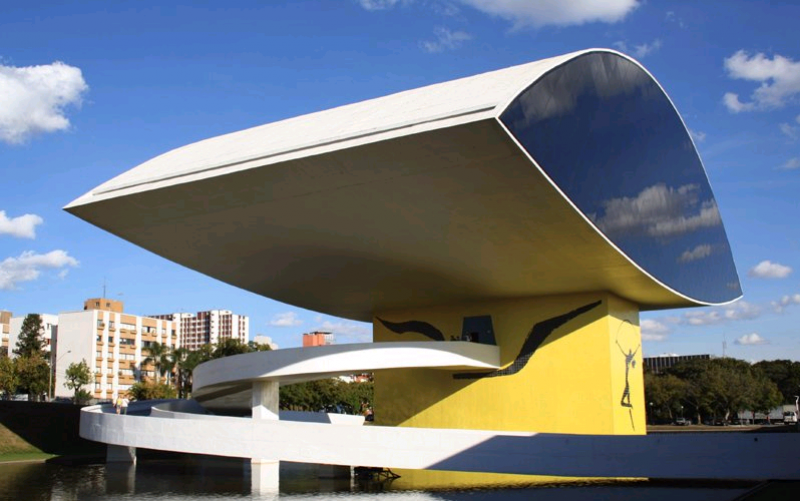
(52, 370)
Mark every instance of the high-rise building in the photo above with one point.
(317, 338)
(113, 343)
(49, 332)
(5, 329)
(208, 327)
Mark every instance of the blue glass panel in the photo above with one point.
(604, 131)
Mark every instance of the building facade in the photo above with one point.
(208, 327)
(659, 364)
(113, 343)
(317, 338)
(5, 329)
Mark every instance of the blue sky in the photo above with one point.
(91, 89)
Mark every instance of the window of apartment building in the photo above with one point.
(149, 329)
(99, 338)
(99, 354)
(111, 339)
(126, 372)
(147, 344)
(100, 323)
(111, 324)
(127, 341)
(97, 387)
(130, 327)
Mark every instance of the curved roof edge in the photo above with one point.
(445, 104)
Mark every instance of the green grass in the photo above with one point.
(25, 456)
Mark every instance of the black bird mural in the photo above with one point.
(417, 326)
(535, 338)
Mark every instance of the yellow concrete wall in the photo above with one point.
(573, 383)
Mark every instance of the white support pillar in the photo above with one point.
(120, 454)
(264, 472)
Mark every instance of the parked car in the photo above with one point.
(682, 422)
(789, 417)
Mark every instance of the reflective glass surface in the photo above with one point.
(604, 131)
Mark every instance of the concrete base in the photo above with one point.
(120, 454)
(264, 476)
(335, 471)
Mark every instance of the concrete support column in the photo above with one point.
(120, 454)
(265, 400)
(264, 472)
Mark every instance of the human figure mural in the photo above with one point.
(630, 362)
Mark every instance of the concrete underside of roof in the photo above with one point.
(443, 216)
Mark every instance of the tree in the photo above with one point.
(148, 390)
(665, 392)
(785, 374)
(78, 375)
(228, 347)
(9, 379)
(156, 354)
(34, 376)
(30, 340)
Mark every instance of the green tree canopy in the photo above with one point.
(9, 379)
(78, 375)
(30, 341)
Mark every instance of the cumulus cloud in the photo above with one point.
(21, 226)
(537, 13)
(348, 331)
(789, 131)
(653, 330)
(288, 319)
(698, 135)
(33, 99)
(380, 4)
(741, 310)
(785, 301)
(768, 269)
(445, 40)
(791, 164)
(659, 211)
(639, 51)
(699, 252)
(751, 339)
(555, 12)
(779, 78)
(29, 265)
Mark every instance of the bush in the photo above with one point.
(148, 390)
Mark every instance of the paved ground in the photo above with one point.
(714, 429)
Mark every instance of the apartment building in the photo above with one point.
(49, 332)
(317, 338)
(113, 344)
(208, 327)
(5, 329)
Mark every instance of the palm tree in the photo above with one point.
(157, 354)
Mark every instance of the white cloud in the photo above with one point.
(698, 135)
(380, 4)
(20, 226)
(782, 303)
(445, 40)
(779, 78)
(768, 269)
(639, 51)
(33, 99)
(791, 164)
(29, 265)
(555, 12)
(653, 330)
(353, 332)
(751, 339)
(288, 319)
(789, 131)
(699, 252)
(659, 211)
(741, 310)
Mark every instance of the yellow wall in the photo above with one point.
(573, 383)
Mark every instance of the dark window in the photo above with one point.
(603, 130)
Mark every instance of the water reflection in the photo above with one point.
(229, 479)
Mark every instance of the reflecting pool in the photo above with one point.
(223, 479)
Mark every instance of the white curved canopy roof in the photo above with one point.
(418, 198)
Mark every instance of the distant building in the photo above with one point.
(208, 327)
(112, 343)
(49, 332)
(5, 329)
(663, 362)
(266, 340)
(317, 338)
